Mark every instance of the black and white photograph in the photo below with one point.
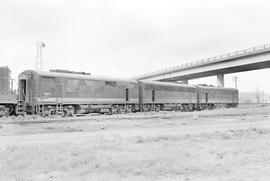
(145, 90)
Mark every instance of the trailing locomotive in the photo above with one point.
(68, 94)
(181, 97)
(167, 96)
(210, 97)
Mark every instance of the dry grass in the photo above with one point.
(236, 154)
(141, 158)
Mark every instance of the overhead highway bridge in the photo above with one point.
(244, 60)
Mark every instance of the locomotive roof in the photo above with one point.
(184, 85)
(213, 87)
(76, 76)
(167, 83)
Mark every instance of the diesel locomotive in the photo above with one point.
(68, 93)
(73, 93)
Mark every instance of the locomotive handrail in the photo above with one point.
(215, 59)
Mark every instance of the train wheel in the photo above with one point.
(7, 113)
(190, 107)
(113, 109)
(128, 108)
(71, 111)
(186, 108)
(182, 108)
(4, 111)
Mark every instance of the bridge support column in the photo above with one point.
(184, 81)
(220, 80)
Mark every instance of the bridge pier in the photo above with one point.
(220, 80)
(184, 81)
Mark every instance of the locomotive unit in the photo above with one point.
(210, 97)
(167, 96)
(180, 97)
(8, 98)
(70, 93)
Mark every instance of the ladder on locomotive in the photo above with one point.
(59, 99)
(20, 108)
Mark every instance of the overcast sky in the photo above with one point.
(124, 38)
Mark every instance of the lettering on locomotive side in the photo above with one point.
(111, 83)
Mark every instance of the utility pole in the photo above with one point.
(39, 59)
(235, 79)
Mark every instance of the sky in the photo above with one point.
(124, 38)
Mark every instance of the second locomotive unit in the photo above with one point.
(68, 93)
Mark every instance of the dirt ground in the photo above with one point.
(223, 144)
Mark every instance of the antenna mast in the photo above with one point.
(39, 59)
(235, 79)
